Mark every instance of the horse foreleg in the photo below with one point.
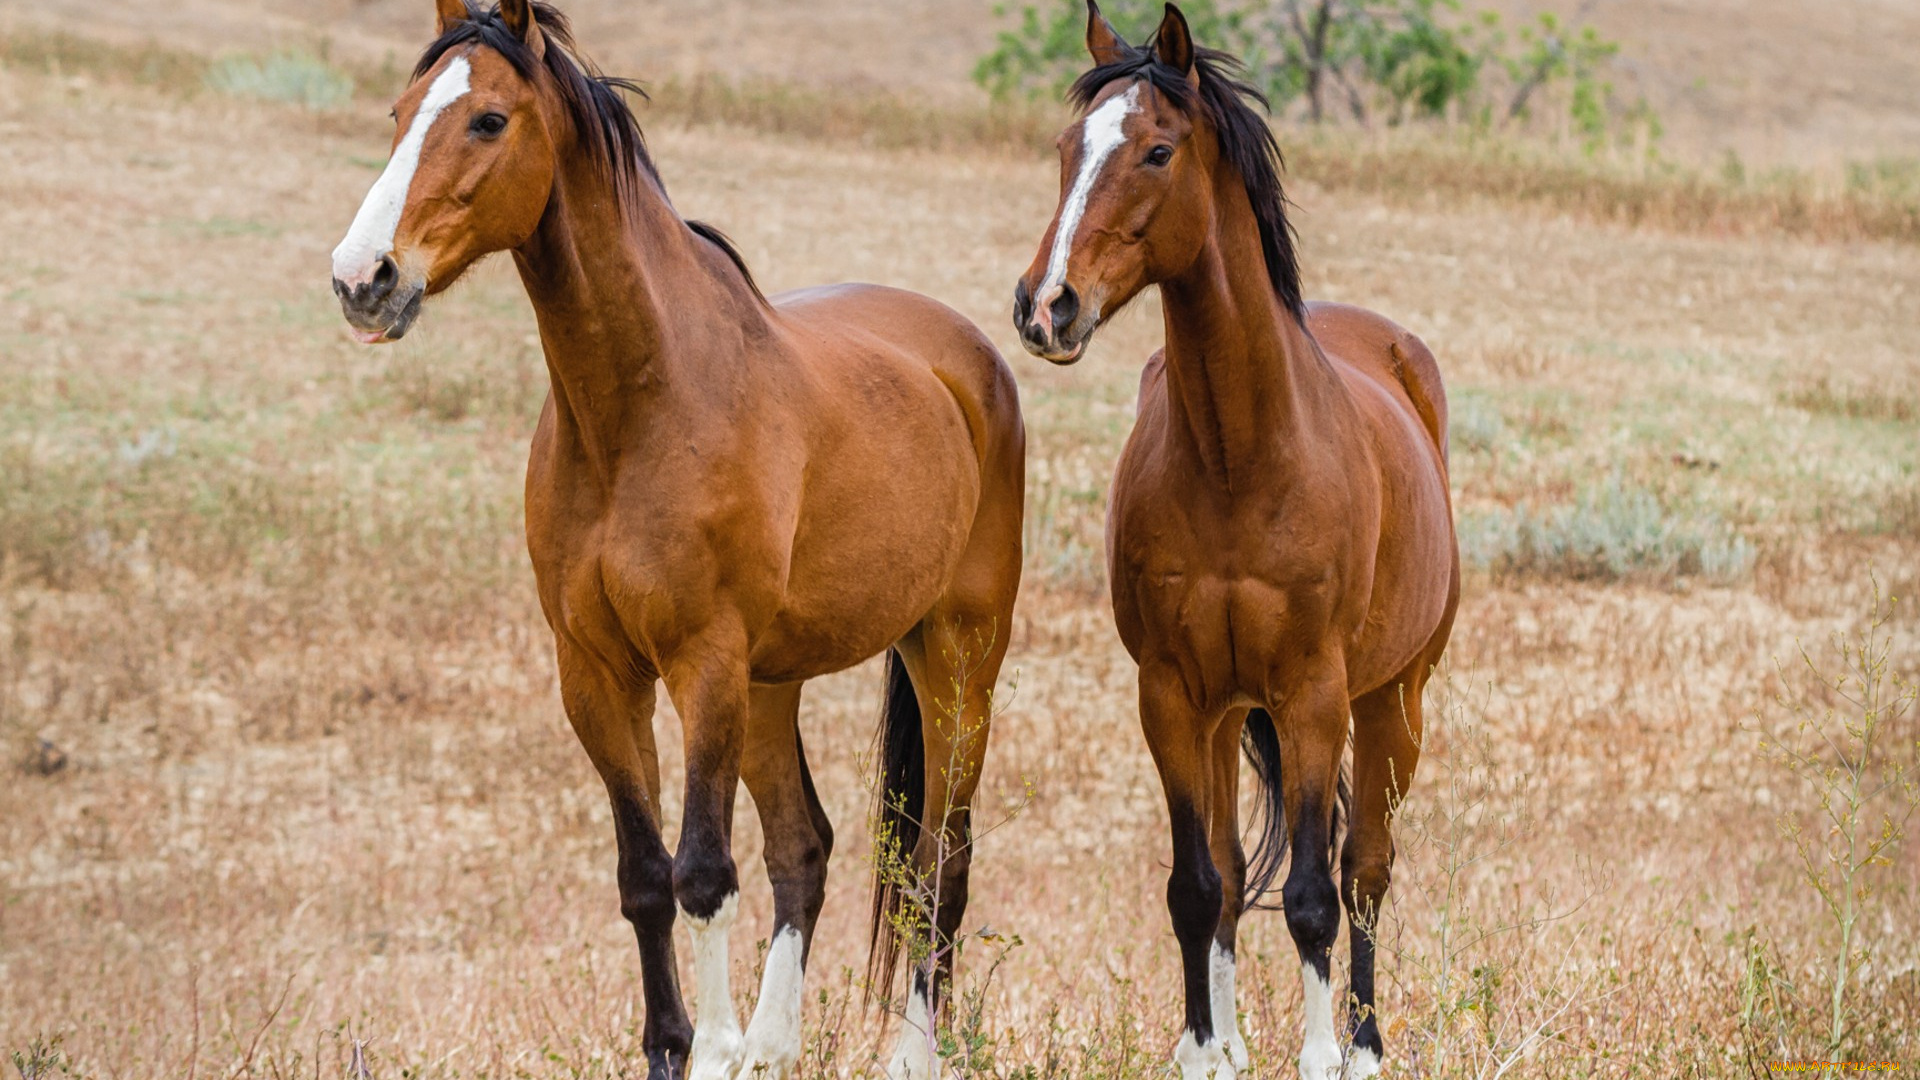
(1312, 727)
(1180, 738)
(1230, 861)
(710, 690)
(616, 728)
(798, 843)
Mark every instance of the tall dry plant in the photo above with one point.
(958, 1037)
(1485, 977)
(1861, 791)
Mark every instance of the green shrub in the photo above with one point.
(1375, 60)
(298, 78)
(1474, 423)
(1608, 533)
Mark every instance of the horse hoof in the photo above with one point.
(1203, 1061)
(1320, 1061)
(1235, 1048)
(769, 1062)
(1362, 1064)
(716, 1055)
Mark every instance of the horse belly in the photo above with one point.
(880, 535)
(1412, 582)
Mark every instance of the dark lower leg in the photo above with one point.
(1194, 902)
(646, 900)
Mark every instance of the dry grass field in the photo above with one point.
(288, 790)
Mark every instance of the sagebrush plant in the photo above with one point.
(1856, 767)
(958, 1037)
(1610, 532)
(295, 77)
(1481, 985)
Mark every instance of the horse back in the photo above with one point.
(921, 332)
(1379, 348)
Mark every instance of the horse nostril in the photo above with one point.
(1022, 303)
(1065, 309)
(385, 277)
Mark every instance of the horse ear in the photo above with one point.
(449, 13)
(1103, 41)
(518, 15)
(1173, 42)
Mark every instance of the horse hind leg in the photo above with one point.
(953, 661)
(798, 843)
(1386, 751)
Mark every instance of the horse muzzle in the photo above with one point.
(380, 305)
(1053, 327)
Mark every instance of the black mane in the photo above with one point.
(1246, 142)
(605, 123)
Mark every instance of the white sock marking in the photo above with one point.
(370, 237)
(1319, 1051)
(1226, 1010)
(1198, 1060)
(773, 1037)
(1362, 1064)
(1101, 135)
(717, 1045)
(911, 1060)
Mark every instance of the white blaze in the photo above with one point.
(1100, 135)
(773, 1038)
(371, 235)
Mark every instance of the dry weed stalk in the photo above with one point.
(957, 1035)
(1863, 791)
(1494, 991)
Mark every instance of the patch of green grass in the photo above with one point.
(294, 77)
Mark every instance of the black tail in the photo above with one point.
(903, 790)
(1262, 746)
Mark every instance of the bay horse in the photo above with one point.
(1280, 539)
(727, 493)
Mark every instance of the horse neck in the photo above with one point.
(635, 311)
(1240, 368)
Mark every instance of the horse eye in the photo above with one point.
(489, 124)
(1160, 155)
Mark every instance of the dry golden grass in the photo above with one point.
(291, 773)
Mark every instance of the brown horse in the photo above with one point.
(1280, 540)
(730, 493)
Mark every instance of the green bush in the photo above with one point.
(297, 78)
(1608, 533)
(1375, 60)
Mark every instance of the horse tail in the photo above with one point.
(1261, 743)
(1419, 373)
(902, 756)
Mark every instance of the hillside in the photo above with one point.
(1777, 81)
